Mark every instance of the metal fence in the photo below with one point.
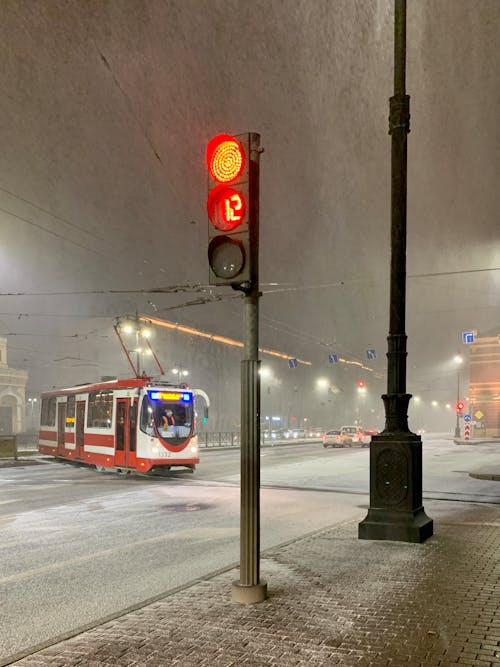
(219, 439)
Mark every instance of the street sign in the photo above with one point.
(467, 418)
(467, 431)
(467, 337)
(371, 354)
(333, 358)
(293, 363)
(478, 414)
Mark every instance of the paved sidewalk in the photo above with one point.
(334, 600)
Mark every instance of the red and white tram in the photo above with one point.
(135, 424)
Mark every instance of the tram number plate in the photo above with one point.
(165, 454)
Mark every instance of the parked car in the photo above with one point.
(332, 439)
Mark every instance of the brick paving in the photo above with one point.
(334, 600)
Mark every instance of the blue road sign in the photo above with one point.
(467, 418)
(293, 363)
(371, 354)
(467, 337)
(333, 358)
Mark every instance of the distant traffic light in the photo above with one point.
(460, 406)
(232, 207)
(361, 384)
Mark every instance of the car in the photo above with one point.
(332, 439)
(316, 432)
(298, 433)
(349, 435)
(365, 437)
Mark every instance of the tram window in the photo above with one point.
(70, 406)
(100, 412)
(70, 412)
(146, 423)
(132, 415)
(48, 415)
(43, 414)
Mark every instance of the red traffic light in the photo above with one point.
(361, 384)
(460, 406)
(225, 158)
(225, 207)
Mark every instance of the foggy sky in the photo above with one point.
(106, 109)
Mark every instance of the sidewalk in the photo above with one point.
(333, 600)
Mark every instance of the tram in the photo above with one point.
(127, 425)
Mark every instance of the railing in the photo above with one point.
(219, 439)
(233, 439)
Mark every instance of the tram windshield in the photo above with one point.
(170, 412)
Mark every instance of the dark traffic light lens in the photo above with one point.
(226, 257)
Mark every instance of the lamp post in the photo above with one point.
(31, 404)
(396, 511)
(458, 361)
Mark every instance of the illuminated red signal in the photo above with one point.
(460, 406)
(226, 208)
(232, 207)
(361, 384)
(225, 158)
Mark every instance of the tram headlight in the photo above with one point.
(155, 449)
(194, 449)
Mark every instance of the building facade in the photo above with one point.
(484, 389)
(12, 395)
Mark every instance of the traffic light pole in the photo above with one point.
(396, 511)
(250, 589)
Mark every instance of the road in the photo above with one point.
(77, 545)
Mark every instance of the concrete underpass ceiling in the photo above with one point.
(106, 108)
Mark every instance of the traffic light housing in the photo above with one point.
(232, 208)
(459, 407)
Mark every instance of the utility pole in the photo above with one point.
(396, 511)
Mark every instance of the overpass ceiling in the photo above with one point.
(106, 108)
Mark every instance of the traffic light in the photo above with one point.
(232, 207)
(361, 384)
(459, 407)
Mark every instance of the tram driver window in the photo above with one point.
(147, 423)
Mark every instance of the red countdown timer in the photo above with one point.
(226, 208)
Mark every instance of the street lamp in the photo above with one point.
(458, 361)
(31, 403)
(181, 372)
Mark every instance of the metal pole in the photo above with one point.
(250, 589)
(457, 426)
(396, 511)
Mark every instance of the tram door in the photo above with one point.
(126, 433)
(79, 428)
(61, 427)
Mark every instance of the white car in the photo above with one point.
(332, 439)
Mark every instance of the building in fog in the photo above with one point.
(12, 395)
(484, 389)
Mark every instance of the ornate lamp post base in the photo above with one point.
(396, 511)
